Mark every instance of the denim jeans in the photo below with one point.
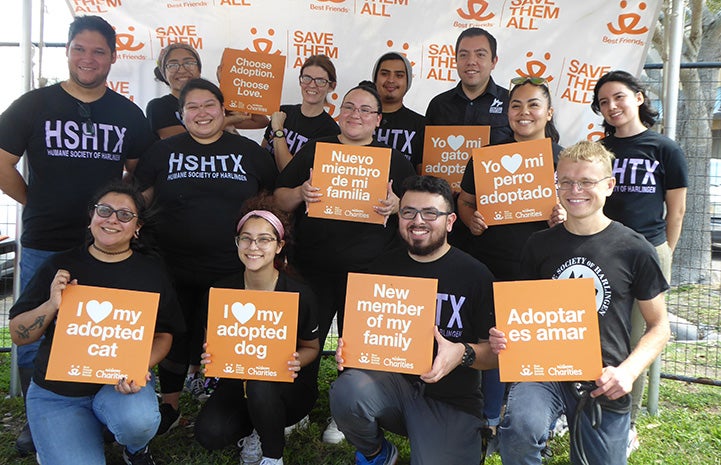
(69, 429)
(533, 407)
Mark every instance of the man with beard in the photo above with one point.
(446, 402)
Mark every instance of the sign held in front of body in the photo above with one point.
(103, 335)
(251, 82)
(251, 334)
(447, 150)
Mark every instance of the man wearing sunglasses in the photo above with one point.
(77, 135)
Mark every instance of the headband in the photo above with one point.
(267, 216)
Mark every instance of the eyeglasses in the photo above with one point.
(521, 80)
(427, 214)
(88, 126)
(106, 211)
(188, 65)
(320, 82)
(584, 185)
(363, 110)
(262, 242)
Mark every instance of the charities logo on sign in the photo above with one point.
(389, 323)
(251, 334)
(515, 182)
(352, 179)
(528, 15)
(102, 335)
(447, 149)
(251, 82)
(580, 79)
(552, 330)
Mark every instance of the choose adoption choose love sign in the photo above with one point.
(447, 149)
(552, 330)
(515, 182)
(251, 334)
(388, 323)
(103, 335)
(251, 82)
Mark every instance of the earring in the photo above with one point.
(137, 234)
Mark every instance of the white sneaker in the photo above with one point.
(302, 424)
(270, 461)
(250, 450)
(332, 435)
(633, 442)
(561, 427)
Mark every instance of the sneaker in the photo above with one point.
(332, 435)
(303, 423)
(561, 427)
(633, 442)
(387, 456)
(270, 461)
(24, 443)
(209, 386)
(195, 385)
(250, 450)
(169, 418)
(141, 457)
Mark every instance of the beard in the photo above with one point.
(416, 248)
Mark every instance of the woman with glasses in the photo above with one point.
(294, 125)
(257, 412)
(199, 180)
(67, 418)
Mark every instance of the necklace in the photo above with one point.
(106, 252)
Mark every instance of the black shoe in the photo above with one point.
(169, 418)
(24, 443)
(141, 457)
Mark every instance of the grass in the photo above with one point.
(687, 431)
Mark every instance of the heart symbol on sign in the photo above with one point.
(243, 312)
(456, 141)
(511, 163)
(98, 311)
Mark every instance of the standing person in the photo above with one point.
(198, 180)
(401, 128)
(651, 183)
(294, 125)
(258, 411)
(328, 249)
(77, 135)
(67, 418)
(624, 267)
(442, 411)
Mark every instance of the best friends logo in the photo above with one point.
(475, 14)
(629, 25)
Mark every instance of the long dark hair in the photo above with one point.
(550, 130)
(645, 112)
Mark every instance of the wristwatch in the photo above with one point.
(469, 355)
(279, 134)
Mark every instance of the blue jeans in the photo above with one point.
(69, 429)
(493, 393)
(533, 407)
(30, 261)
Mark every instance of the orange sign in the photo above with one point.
(251, 82)
(352, 179)
(515, 182)
(251, 334)
(447, 149)
(389, 323)
(552, 330)
(103, 335)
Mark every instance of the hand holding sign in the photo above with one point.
(308, 193)
(60, 282)
(389, 205)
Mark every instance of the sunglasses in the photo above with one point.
(88, 126)
(521, 80)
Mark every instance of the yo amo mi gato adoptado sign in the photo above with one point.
(447, 149)
(251, 82)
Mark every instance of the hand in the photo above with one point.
(389, 205)
(478, 224)
(58, 285)
(497, 339)
(204, 357)
(339, 355)
(558, 215)
(448, 357)
(308, 193)
(614, 383)
(277, 120)
(234, 117)
(294, 365)
(124, 387)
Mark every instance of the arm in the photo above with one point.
(675, 210)
(289, 198)
(306, 352)
(280, 145)
(130, 166)
(240, 120)
(450, 354)
(160, 347)
(469, 215)
(170, 131)
(11, 182)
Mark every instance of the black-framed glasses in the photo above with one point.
(319, 82)
(262, 242)
(105, 211)
(87, 125)
(188, 65)
(427, 214)
(535, 80)
(363, 110)
(585, 185)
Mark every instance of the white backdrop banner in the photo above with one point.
(569, 42)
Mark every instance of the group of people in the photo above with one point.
(166, 196)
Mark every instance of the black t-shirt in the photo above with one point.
(307, 316)
(464, 313)
(646, 166)
(164, 112)
(500, 246)
(199, 189)
(137, 273)
(299, 128)
(338, 245)
(65, 166)
(403, 130)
